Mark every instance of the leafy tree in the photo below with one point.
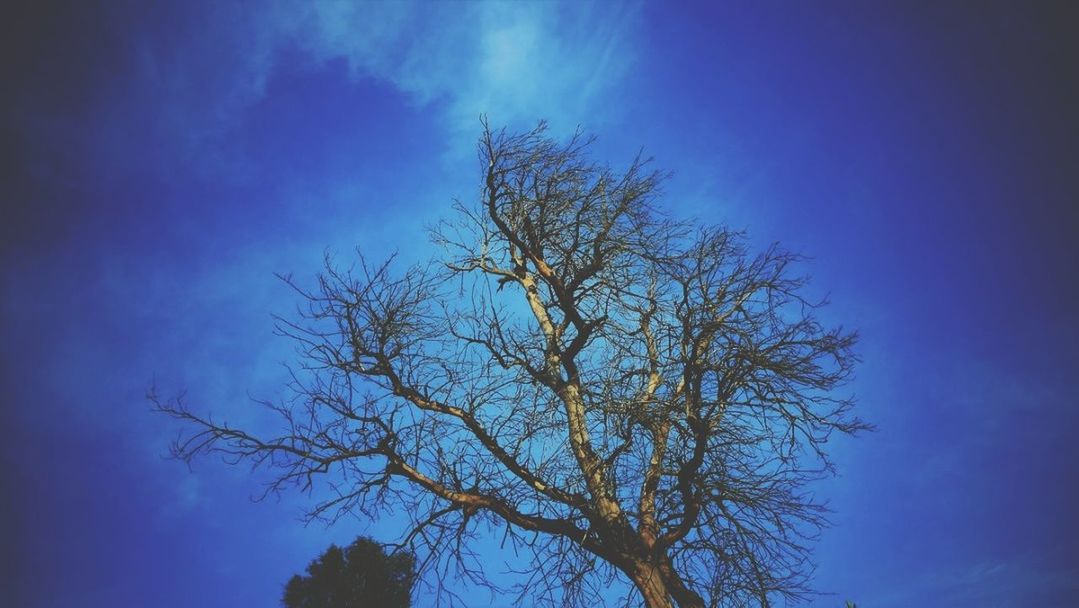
(357, 576)
(621, 394)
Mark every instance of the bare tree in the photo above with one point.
(619, 393)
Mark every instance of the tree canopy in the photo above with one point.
(617, 392)
(358, 576)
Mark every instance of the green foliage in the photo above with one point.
(358, 576)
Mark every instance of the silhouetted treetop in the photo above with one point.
(361, 575)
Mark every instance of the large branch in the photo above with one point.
(568, 389)
(658, 426)
(475, 500)
(473, 425)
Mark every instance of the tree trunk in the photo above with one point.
(661, 587)
(650, 583)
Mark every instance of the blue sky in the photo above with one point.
(161, 163)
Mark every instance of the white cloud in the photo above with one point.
(516, 62)
(196, 71)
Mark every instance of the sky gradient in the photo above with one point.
(162, 163)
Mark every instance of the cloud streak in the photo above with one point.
(514, 62)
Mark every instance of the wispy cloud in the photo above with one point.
(515, 62)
